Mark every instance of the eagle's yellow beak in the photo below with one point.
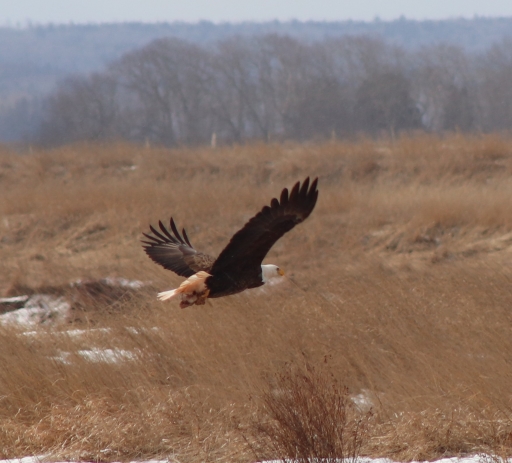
(281, 272)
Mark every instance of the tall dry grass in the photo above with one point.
(313, 418)
(398, 286)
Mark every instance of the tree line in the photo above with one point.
(172, 92)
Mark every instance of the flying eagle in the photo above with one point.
(239, 265)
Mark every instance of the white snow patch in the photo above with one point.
(113, 281)
(39, 309)
(469, 459)
(362, 400)
(46, 459)
(45, 308)
(97, 355)
(106, 355)
(11, 300)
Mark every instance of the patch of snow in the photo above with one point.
(72, 333)
(46, 459)
(30, 311)
(106, 355)
(82, 332)
(130, 168)
(39, 309)
(11, 300)
(36, 459)
(124, 282)
(97, 355)
(362, 401)
(63, 358)
(468, 459)
(133, 330)
(114, 281)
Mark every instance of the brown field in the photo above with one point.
(398, 288)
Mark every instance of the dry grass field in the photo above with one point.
(397, 297)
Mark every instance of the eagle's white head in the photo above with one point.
(270, 271)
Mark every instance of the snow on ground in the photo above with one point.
(470, 459)
(44, 459)
(46, 309)
(37, 310)
(30, 311)
(41, 309)
(96, 355)
(114, 281)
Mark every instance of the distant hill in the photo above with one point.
(58, 50)
(34, 59)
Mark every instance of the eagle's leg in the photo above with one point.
(201, 299)
(194, 298)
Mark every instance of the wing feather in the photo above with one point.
(186, 238)
(250, 245)
(174, 252)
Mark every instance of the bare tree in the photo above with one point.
(273, 87)
(165, 92)
(495, 77)
(384, 103)
(443, 86)
(83, 108)
(350, 61)
(246, 87)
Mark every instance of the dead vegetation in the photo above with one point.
(398, 288)
(312, 417)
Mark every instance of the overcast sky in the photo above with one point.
(20, 12)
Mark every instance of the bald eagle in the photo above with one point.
(239, 265)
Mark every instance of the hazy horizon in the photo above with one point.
(25, 12)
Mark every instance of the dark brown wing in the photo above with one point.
(174, 252)
(251, 244)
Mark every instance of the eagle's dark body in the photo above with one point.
(238, 267)
(223, 284)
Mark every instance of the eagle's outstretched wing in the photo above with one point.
(174, 252)
(251, 244)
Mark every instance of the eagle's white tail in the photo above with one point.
(193, 290)
(163, 296)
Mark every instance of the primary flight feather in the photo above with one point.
(239, 266)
